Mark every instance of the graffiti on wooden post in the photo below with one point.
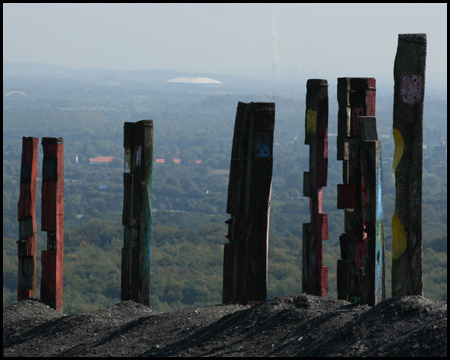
(356, 97)
(137, 211)
(372, 211)
(409, 89)
(314, 274)
(249, 191)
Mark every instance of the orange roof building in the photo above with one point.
(101, 160)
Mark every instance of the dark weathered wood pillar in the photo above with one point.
(356, 97)
(52, 221)
(372, 210)
(314, 274)
(409, 90)
(137, 211)
(249, 191)
(26, 287)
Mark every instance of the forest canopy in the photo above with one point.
(194, 124)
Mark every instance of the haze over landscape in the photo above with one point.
(79, 71)
(286, 42)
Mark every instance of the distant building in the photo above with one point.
(195, 80)
(73, 158)
(16, 92)
(163, 161)
(101, 160)
(110, 81)
(176, 161)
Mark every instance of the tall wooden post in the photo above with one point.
(356, 97)
(249, 191)
(53, 222)
(137, 211)
(409, 90)
(27, 220)
(372, 209)
(314, 275)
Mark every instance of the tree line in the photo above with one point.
(188, 236)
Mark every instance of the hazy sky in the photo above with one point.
(318, 40)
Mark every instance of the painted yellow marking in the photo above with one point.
(399, 237)
(399, 148)
(311, 122)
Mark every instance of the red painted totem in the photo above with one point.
(314, 274)
(53, 222)
(356, 97)
(27, 220)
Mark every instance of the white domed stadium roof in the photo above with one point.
(194, 80)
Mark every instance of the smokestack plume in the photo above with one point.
(276, 63)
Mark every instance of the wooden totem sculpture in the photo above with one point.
(374, 288)
(356, 97)
(53, 222)
(314, 274)
(137, 211)
(409, 90)
(249, 191)
(26, 287)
